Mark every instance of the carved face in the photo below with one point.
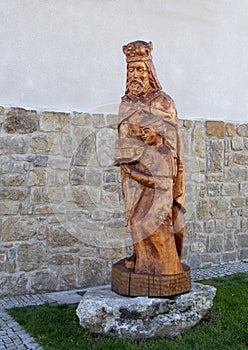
(150, 136)
(137, 78)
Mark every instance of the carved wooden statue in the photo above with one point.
(149, 152)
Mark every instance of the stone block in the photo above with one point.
(26, 208)
(242, 240)
(194, 260)
(12, 145)
(3, 259)
(55, 121)
(18, 229)
(237, 143)
(215, 244)
(85, 151)
(229, 189)
(37, 177)
(93, 272)
(109, 177)
(20, 167)
(62, 259)
(214, 177)
(9, 207)
(67, 148)
(53, 195)
(236, 212)
(20, 120)
(68, 277)
(243, 254)
(236, 173)
(107, 313)
(198, 247)
(84, 119)
(219, 207)
(210, 259)
(229, 257)
(43, 209)
(99, 214)
(112, 121)
(10, 263)
(227, 145)
(202, 209)
(187, 142)
(61, 177)
(44, 281)
(233, 223)
(244, 225)
(77, 176)
(230, 129)
(228, 159)
(40, 161)
(13, 180)
(215, 156)
(242, 130)
(229, 242)
(11, 193)
(4, 165)
(93, 176)
(36, 195)
(16, 283)
(238, 202)
(59, 163)
(210, 226)
(45, 144)
(58, 236)
(196, 226)
(213, 189)
(219, 225)
(84, 197)
(98, 120)
(215, 128)
(244, 189)
(199, 137)
(240, 158)
(105, 145)
(197, 177)
(188, 124)
(110, 200)
(32, 256)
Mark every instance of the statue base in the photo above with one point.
(126, 282)
(104, 312)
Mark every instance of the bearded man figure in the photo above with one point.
(149, 152)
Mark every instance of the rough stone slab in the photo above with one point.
(105, 312)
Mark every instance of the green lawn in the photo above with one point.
(225, 327)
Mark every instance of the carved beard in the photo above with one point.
(136, 87)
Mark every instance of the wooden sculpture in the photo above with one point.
(149, 152)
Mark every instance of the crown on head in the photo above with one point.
(138, 51)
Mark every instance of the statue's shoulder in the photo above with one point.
(125, 99)
(163, 98)
(164, 102)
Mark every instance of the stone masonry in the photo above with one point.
(61, 212)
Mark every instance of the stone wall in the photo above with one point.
(62, 220)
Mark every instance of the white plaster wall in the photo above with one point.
(67, 55)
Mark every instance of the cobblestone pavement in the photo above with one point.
(13, 337)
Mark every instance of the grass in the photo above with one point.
(225, 327)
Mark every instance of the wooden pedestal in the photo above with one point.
(126, 282)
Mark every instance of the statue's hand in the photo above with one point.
(126, 168)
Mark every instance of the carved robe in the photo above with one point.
(154, 195)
